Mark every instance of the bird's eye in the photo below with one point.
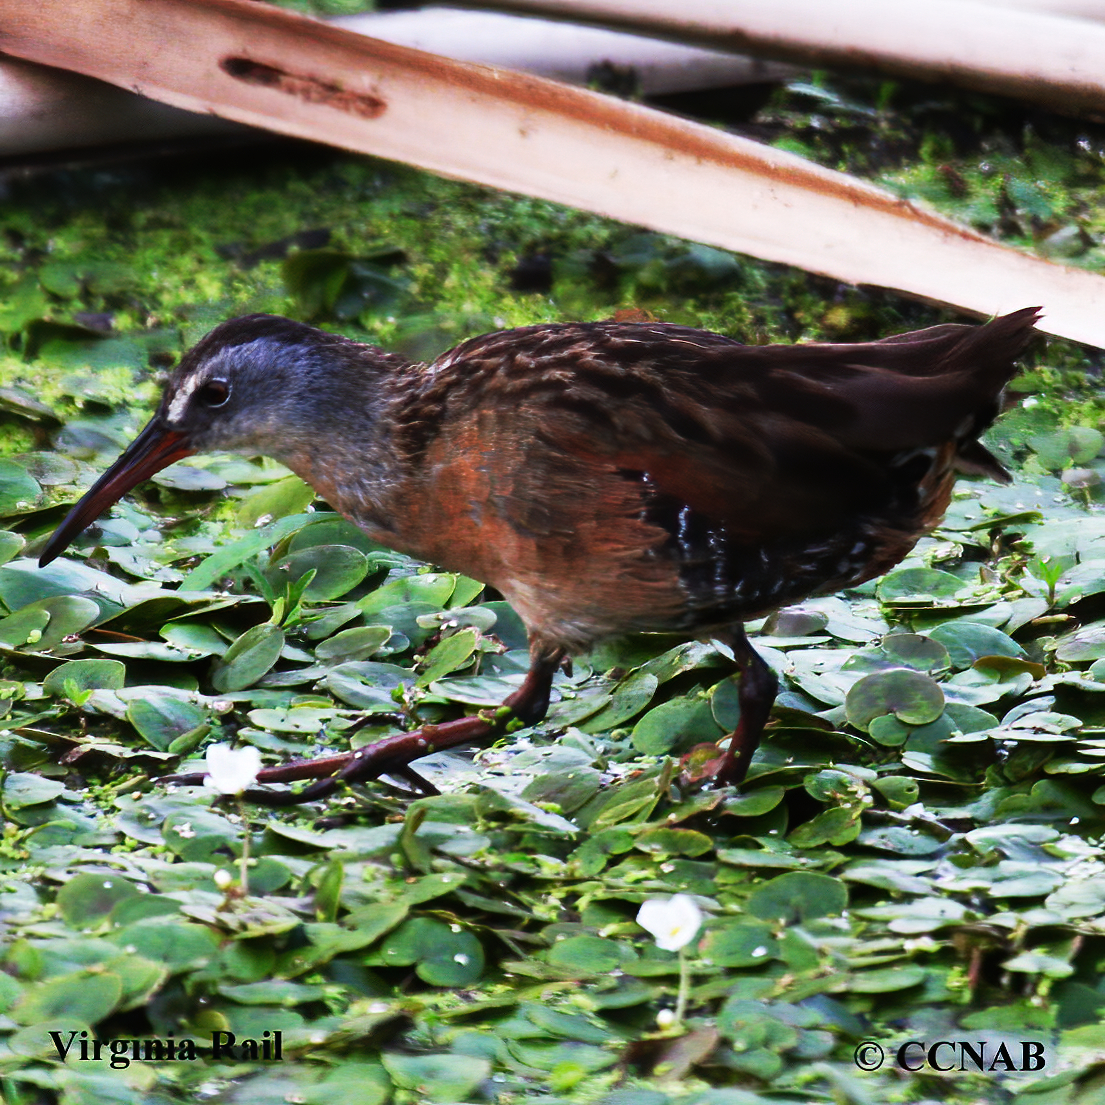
(214, 393)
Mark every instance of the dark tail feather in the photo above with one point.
(987, 351)
(991, 350)
(990, 354)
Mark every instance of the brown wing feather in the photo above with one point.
(710, 480)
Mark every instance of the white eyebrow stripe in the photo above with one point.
(180, 401)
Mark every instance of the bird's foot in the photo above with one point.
(706, 763)
(389, 756)
(393, 755)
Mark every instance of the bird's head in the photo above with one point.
(259, 384)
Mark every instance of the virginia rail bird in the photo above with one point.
(606, 477)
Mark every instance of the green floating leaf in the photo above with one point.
(509, 628)
(217, 565)
(915, 585)
(889, 731)
(755, 1031)
(884, 980)
(146, 650)
(11, 545)
(1005, 666)
(448, 655)
(327, 941)
(353, 644)
(834, 826)
(87, 899)
(597, 850)
(674, 842)
(337, 568)
(69, 615)
(189, 741)
(273, 991)
(635, 800)
(35, 1040)
(627, 700)
(323, 624)
(585, 956)
(173, 944)
(428, 587)
(332, 529)
(1080, 898)
(368, 685)
(184, 477)
(161, 717)
(439, 955)
(912, 650)
(898, 790)
(86, 997)
(1085, 643)
(897, 838)
(753, 803)
(1074, 445)
(195, 637)
(25, 626)
(795, 623)
(140, 907)
(678, 725)
(50, 469)
(1040, 963)
(85, 675)
(278, 500)
(23, 788)
(741, 945)
(252, 655)
(67, 278)
(328, 891)
(909, 695)
(352, 1083)
(19, 490)
(798, 896)
(199, 834)
(967, 641)
(567, 790)
(298, 719)
(442, 1078)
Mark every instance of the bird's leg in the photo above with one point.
(756, 695)
(393, 755)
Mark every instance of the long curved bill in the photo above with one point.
(156, 447)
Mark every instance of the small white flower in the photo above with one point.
(222, 878)
(673, 922)
(231, 770)
(665, 1018)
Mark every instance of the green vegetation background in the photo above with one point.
(916, 854)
